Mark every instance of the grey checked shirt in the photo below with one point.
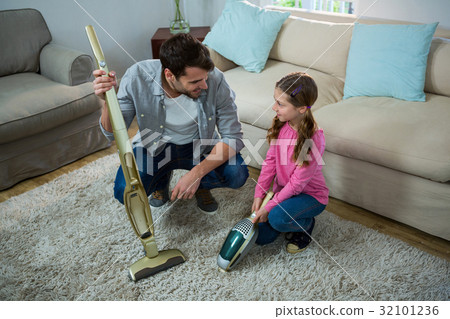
(141, 95)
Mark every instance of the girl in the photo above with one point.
(294, 164)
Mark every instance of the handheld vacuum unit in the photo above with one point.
(239, 240)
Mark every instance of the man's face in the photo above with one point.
(192, 83)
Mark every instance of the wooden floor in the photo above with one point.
(431, 244)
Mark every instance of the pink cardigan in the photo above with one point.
(291, 179)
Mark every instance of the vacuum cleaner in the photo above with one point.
(134, 197)
(239, 240)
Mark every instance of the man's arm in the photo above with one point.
(230, 131)
(220, 153)
(106, 123)
(189, 183)
(227, 121)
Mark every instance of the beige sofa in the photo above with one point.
(48, 110)
(389, 156)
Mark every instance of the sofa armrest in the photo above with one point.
(222, 63)
(64, 65)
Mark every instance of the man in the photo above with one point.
(179, 101)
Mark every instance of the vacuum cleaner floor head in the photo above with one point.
(146, 266)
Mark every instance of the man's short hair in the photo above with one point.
(181, 51)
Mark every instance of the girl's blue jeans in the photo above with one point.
(295, 214)
(155, 171)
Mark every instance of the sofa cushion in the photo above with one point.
(388, 60)
(23, 33)
(412, 137)
(221, 62)
(30, 104)
(254, 92)
(245, 33)
(319, 45)
(437, 78)
(66, 66)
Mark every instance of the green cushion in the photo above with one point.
(245, 34)
(388, 60)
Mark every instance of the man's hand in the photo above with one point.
(103, 83)
(186, 186)
(189, 183)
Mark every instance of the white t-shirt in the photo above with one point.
(181, 120)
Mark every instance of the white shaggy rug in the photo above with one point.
(71, 240)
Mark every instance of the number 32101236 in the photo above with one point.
(409, 310)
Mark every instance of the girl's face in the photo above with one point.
(285, 110)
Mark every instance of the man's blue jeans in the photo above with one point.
(155, 171)
(295, 214)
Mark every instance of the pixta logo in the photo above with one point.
(150, 141)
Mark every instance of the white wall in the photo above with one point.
(131, 23)
(423, 11)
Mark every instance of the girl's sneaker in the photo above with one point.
(298, 241)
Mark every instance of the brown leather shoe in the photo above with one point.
(159, 197)
(205, 201)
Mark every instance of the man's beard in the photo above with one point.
(182, 90)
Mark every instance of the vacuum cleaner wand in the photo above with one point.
(134, 197)
(239, 240)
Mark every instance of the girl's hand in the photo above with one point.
(256, 204)
(261, 216)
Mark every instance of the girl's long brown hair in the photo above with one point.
(300, 90)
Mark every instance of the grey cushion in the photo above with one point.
(31, 103)
(66, 66)
(23, 33)
(46, 151)
(412, 137)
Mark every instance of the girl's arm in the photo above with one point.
(299, 179)
(301, 175)
(267, 174)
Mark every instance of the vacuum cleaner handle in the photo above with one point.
(268, 197)
(116, 118)
(135, 197)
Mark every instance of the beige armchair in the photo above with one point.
(48, 111)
